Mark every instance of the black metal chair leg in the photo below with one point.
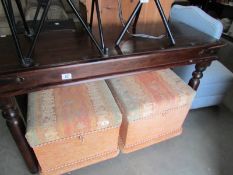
(20, 8)
(11, 13)
(139, 5)
(85, 26)
(95, 4)
(164, 19)
(36, 14)
(46, 9)
(45, 4)
(92, 14)
(136, 20)
(14, 33)
(100, 25)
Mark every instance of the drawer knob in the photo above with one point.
(9, 80)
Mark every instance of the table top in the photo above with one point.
(65, 51)
(65, 47)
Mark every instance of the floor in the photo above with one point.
(225, 54)
(205, 148)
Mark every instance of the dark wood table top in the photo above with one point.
(67, 51)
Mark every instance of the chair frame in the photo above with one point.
(135, 16)
(34, 30)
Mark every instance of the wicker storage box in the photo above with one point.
(154, 106)
(72, 127)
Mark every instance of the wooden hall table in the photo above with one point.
(65, 57)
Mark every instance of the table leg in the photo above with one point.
(17, 128)
(198, 74)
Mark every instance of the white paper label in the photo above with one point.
(67, 76)
(144, 1)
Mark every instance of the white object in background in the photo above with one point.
(144, 1)
(67, 76)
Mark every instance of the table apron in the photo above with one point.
(39, 79)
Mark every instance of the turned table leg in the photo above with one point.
(198, 74)
(17, 128)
